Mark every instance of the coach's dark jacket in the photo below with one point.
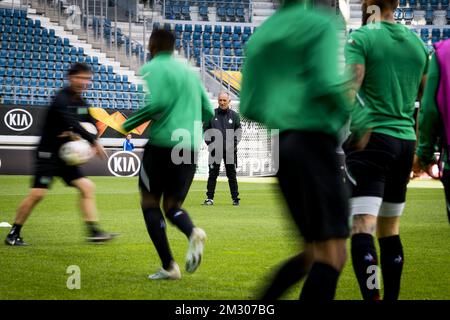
(223, 120)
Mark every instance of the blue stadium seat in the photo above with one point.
(227, 44)
(398, 14)
(408, 14)
(247, 30)
(217, 29)
(198, 28)
(197, 43)
(226, 37)
(187, 36)
(206, 36)
(216, 36)
(221, 13)
(429, 16)
(203, 12)
(231, 13)
(446, 33)
(208, 28)
(188, 28)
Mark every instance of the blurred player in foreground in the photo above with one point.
(65, 114)
(291, 83)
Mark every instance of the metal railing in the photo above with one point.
(214, 66)
(30, 95)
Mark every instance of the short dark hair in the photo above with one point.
(79, 67)
(162, 40)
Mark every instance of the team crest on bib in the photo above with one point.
(230, 121)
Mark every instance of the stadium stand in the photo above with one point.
(33, 61)
(208, 10)
(225, 42)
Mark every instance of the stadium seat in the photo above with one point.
(208, 28)
(203, 12)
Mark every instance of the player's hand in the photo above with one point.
(356, 144)
(99, 150)
(69, 134)
(416, 168)
(429, 170)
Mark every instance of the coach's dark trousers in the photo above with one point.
(230, 170)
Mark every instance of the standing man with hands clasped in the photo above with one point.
(226, 125)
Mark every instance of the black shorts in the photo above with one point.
(382, 169)
(311, 182)
(48, 165)
(160, 176)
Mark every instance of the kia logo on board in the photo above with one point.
(18, 119)
(124, 164)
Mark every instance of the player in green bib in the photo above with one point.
(388, 62)
(177, 105)
(290, 82)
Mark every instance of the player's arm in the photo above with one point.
(355, 52)
(156, 100)
(428, 119)
(237, 128)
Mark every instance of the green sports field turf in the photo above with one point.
(244, 245)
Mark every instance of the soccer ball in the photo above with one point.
(75, 153)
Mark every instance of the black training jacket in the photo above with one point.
(65, 113)
(223, 120)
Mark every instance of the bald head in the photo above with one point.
(224, 100)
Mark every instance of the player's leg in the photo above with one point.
(329, 260)
(388, 226)
(213, 173)
(446, 183)
(290, 273)
(367, 170)
(230, 169)
(151, 185)
(44, 170)
(180, 178)
(23, 212)
(317, 200)
(73, 177)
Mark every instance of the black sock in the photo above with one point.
(391, 258)
(15, 229)
(92, 227)
(364, 255)
(156, 227)
(180, 218)
(291, 272)
(321, 283)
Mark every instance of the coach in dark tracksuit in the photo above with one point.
(225, 121)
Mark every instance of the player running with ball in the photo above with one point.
(63, 119)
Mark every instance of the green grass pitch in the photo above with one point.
(244, 245)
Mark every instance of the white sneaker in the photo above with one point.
(172, 274)
(195, 251)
